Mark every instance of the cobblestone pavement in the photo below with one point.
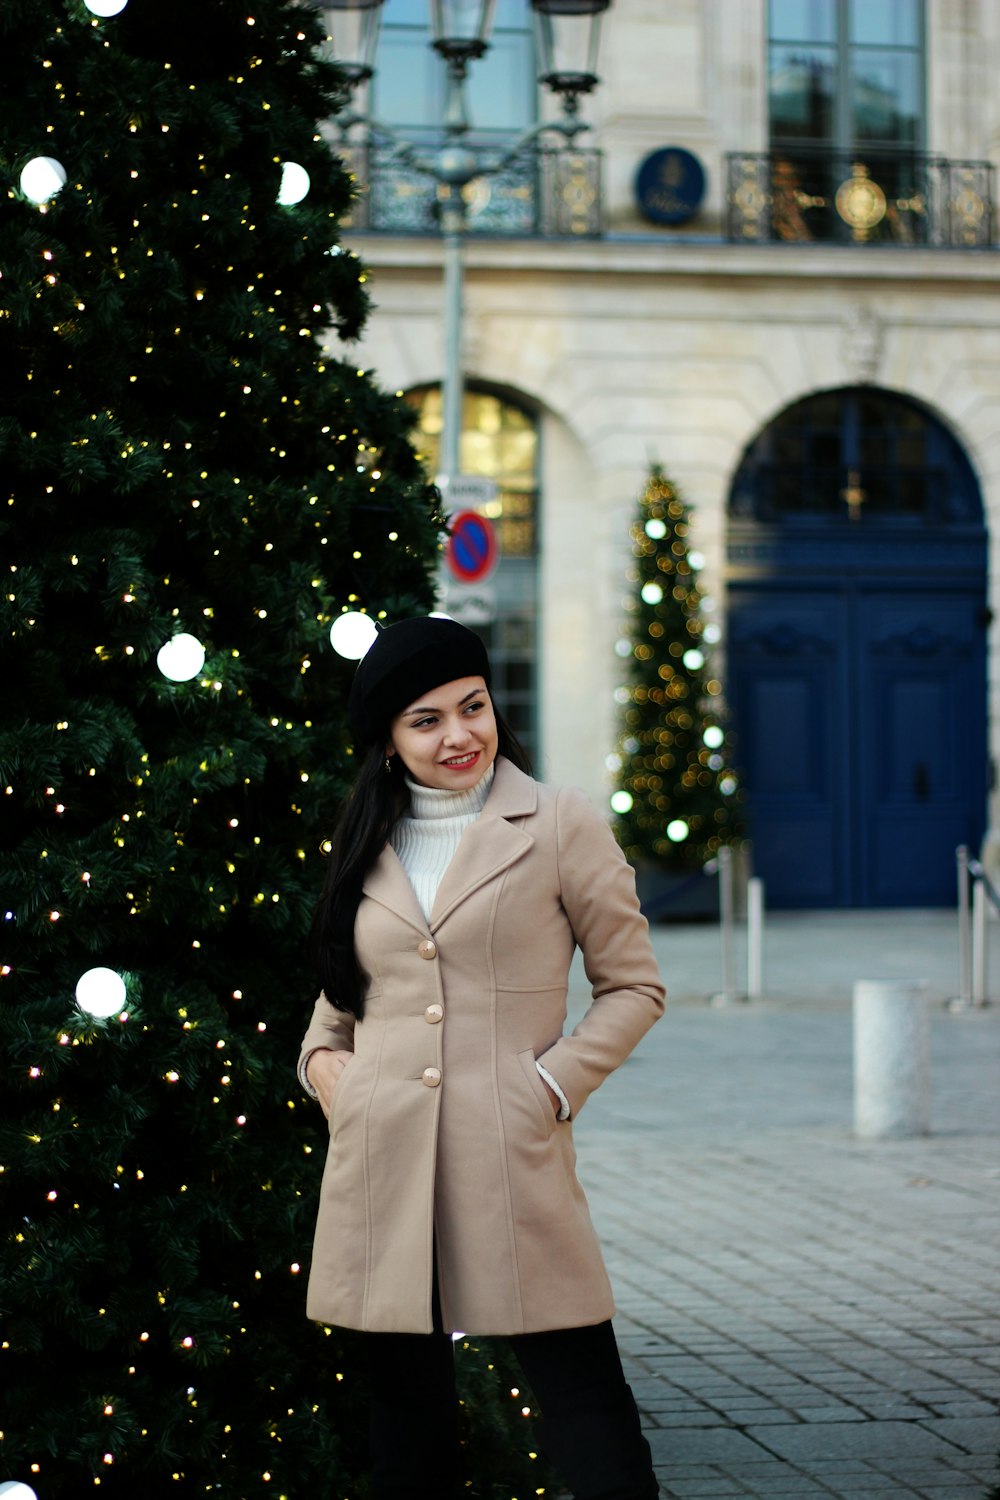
(804, 1313)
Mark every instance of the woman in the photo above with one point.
(457, 891)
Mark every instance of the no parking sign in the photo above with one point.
(471, 553)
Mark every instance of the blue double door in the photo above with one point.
(860, 712)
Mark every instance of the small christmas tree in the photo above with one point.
(677, 799)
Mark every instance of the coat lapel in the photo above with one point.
(491, 844)
(388, 883)
(488, 847)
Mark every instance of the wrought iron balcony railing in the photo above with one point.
(858, 198)
(553, 191)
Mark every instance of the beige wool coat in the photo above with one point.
(441, 1131)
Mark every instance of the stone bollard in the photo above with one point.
(892, 1081)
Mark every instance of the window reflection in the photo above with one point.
(845, 74)
(895, 23)
(805, 20)
(408, 90)
(884, 103)
(802, 86)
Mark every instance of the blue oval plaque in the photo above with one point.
(669, 185)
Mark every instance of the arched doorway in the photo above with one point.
(856, 668)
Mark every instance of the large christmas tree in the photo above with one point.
(677, 797)
(183, 462)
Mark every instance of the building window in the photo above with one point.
(499, 441)
(846, 73)
(846, 114)
(856, 455)
(847, 121)
(409, 83)
(550, 187)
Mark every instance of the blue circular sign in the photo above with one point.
(669, 186)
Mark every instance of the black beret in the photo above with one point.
(405, 660)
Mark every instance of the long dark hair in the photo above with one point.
(377, 799)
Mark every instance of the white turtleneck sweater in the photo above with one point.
(427, 836)
(425, 839)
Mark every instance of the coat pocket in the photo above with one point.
(537, 1087)
(335, 1102)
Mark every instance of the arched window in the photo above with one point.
(855, 454)
(499, 441)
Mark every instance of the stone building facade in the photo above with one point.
(689, 343)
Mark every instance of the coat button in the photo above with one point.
(432, 1077)
(433, 1014)
(427, 949)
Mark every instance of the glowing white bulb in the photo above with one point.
(713, 737)
(43, 178)
(181, 658)
(693, 659)
(621, 802)
(623, 647)
(613, 761)
(105, 7)
(651, 593)
(712, 634)
(13, 1489)
(101, 993)
(352, 634)
(728, 785)
(294, 183)
(696, 560)
(677, 831)
(655, 529)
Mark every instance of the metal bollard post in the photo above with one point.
(979, 942)
(755, 938)
(892, 1085)
(728, 994)
(964, 997)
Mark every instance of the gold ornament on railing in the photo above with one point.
(860, 203)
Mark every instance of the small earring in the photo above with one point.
(388, 765)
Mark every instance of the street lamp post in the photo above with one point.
(567, 32)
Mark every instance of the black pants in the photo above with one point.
(589, 1426)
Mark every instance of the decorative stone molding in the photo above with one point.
(862, 344)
